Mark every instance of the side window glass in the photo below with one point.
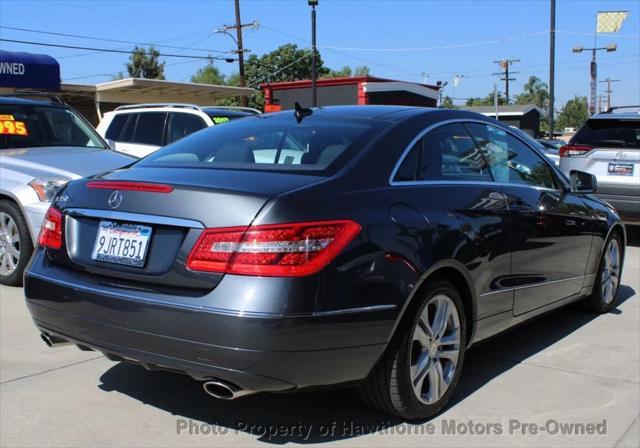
(449, 152)
(149, 128)
(127, 134)
(407, 170)
(511, 160)
(115, 127)
(183, 124)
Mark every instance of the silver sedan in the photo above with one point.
(43, 145)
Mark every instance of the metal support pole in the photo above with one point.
(314, 68)
(552, 66)
(594, 82)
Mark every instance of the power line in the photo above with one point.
(368, 61)
(266, 78)
(78, 36)
(106, 50)
(440, 47)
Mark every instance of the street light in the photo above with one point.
(314, 71)
(594, 70)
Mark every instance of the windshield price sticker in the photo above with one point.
(219, 120)
(8, 126)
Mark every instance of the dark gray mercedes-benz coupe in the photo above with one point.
(365, 246)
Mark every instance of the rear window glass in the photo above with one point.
(268, 143)
(115, 128)
(609, 133)
(149, 128)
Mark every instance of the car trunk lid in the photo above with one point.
(194, 199)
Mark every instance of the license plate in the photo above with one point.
(121, 243)
(620, 169)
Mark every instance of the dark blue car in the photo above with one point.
(360, 246)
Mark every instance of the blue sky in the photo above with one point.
(396, 39)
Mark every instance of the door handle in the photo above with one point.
(570, 222)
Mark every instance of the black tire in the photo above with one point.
(388, 388)
(25, 244)
(597, 301)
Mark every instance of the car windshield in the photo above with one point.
(28, 126)
(612, 133)
(268, 143)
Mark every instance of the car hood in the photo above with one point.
(62, 161)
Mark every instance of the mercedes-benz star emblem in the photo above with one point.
(115, 199)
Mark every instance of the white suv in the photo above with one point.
(140, 129)
(608, 146)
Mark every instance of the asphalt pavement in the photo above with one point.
(569, 378)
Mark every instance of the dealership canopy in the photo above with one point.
(29, 71)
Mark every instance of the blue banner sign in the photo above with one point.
(29, 71)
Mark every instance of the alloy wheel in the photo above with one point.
(435, 349)
(9, 245)
(610, 271)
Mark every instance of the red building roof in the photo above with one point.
(325, 82)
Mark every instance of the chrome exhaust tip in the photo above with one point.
(53, 341)
(223, 390)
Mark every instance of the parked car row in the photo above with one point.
(374, 243)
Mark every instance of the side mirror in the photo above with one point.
(111, 144)
(582, 182)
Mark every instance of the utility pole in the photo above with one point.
(609, 91)
(243, 99)
(238, 41)
(314, 55)
(552, 65)
(504, 65)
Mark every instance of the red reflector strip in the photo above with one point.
(131, 186)
(279, 250)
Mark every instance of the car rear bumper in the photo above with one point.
(266, 352)
(624, 198)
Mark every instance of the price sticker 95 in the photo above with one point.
(9, 126)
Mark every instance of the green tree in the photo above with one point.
(447, 103)
(285, 63)
(347, 71)
(362, 70)
(342, 73)
(574, 113)
(209, 74)
(486, 101)
(117, 76)
(534, 92)
(145, 63)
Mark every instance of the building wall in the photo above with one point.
(529, 123)
(400, 98)
(327, 96)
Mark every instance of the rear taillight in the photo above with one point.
(51, 232)
(279, 250)
(574, 150)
